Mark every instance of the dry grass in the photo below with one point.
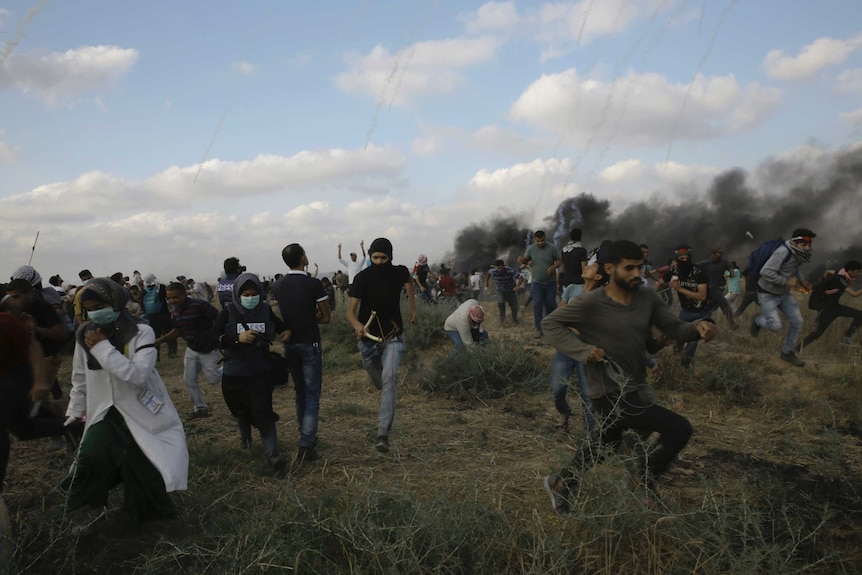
(769, 483)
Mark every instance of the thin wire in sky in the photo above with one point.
(19, 33)
(700, 64)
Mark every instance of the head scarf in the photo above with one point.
(118, 333)
(238, 285)
(476, 313)
(381, 245)
(422, 259)
(27, 273)
(151, 279)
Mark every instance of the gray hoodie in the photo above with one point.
(784, 263)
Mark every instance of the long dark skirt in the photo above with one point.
(109, 456)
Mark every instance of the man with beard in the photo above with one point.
(376, 296)
(690, 283)
(612, 334)
(777, 276)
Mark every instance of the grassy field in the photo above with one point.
(770, 482)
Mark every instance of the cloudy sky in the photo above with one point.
(167, 136)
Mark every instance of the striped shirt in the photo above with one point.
(195, 320)
(505, 281)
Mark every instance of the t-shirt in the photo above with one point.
(696, 276)
(834, 288)
(574, 253)
(542, 259)
(447, 284)
(297, 295)
(379, 289)
(195, 320)
(733, 277)
(45, 316)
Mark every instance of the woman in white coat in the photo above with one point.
(133, 434)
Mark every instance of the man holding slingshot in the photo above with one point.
(376, 293)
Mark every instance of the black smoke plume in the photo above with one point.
(824, 195)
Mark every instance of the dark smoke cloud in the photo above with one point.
(824, 195)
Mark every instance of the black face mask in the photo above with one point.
(684, 267)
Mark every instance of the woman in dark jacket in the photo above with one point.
(245, 329)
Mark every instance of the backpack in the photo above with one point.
(152, 302)
(759, 257)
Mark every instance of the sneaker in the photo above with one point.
(554, 488)
(277, 461)
(245, 443)
(538, 334)
(382, 444)
(565, 422)
(199, 413)
(846, 340)
(685, 361)
(754, 329)
(307, 453)
(56, 444)
(792, 359)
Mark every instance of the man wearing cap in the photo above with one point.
(420, 277)
(777, 276)
(690, 282)
(466, 326)
(355, 265)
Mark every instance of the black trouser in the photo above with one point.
(720, 303)
(15, 414)
(616, 415)
(830, 314)
(161, 324)
(748, 297)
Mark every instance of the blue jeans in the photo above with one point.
(693, 315)
(562, 367)
(544, 301)
(305, 362)
(770, 305)
(381, 362)
(459, 343)
(193, 363)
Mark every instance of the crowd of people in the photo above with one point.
(605, 311)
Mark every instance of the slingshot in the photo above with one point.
(378, 339)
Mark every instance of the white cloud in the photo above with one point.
(59, 77)
(422, 68)
(641, 109)
(500, 139)
(853, 118)
(562, 26)
(850, 82)
(301, 59)
(493, 17)
(168, 104)
(814, 57)
(635, 173)
(175, 186)
(244, 68)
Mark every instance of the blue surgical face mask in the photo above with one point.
(250, 301)
(103, 316)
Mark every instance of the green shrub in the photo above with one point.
(489, 371)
